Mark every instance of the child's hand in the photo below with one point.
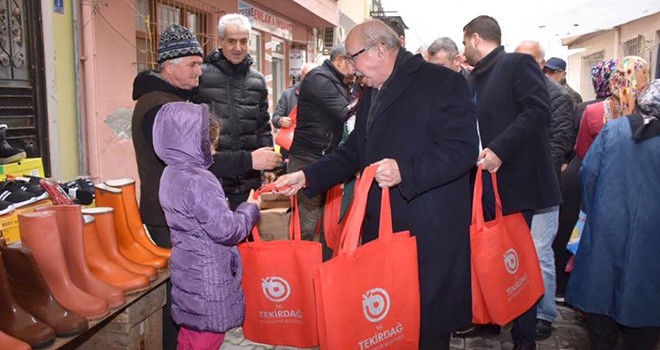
(253, 200)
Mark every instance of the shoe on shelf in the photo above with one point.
(477, 330)
(6, 207)
(11, 192)
(9, 154)
(543, 329)
(33, 187)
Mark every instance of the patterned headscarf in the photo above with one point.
(600, 77)
(624, 81)
(649, 100)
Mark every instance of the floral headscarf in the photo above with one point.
(600, 77)
(649, 100)
(624, 81)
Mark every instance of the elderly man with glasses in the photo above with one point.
(416, 120)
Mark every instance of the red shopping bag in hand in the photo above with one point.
(368, 296)
(284, 136)
(279, 290)
(504, 261)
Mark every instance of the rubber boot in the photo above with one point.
(32, 293)
(8, 153)
(133, 218)
(106, 269)
(38, 233)
(70, 227)
(105, 229)
(111, 197)
(17, 322)
(9, 342)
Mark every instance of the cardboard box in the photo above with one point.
(274, 200)
(274, 224)
(9, 222)
(27, 166)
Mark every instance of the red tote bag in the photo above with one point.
(331, 212)
(368, 296)
(279, 290)
(284, 136)
(504, 260)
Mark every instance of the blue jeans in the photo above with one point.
(544, 229)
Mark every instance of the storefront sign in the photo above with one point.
(266, 21)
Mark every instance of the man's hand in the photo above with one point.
(285, 122)
(489, 160)
(387, 173)
(265, 158)
(295, 181)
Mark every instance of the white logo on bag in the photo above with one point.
(511, 261)
(276, 289)
(375, 304)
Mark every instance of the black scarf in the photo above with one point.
(641, 130)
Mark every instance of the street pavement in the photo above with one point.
(569, 334)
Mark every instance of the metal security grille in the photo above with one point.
(633, 47)
(152, 16)
(22, 95)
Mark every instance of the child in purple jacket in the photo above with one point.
(206, 272)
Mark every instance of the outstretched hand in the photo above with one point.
(387, 173)
(290, 184)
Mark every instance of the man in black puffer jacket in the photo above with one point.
(322, 111)
(236, 93)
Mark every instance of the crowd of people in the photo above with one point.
(426, 120)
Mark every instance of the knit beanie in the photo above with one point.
(177, 41)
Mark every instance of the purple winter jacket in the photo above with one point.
(205, 264)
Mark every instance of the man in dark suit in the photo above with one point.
(416, 121)
(513, 112)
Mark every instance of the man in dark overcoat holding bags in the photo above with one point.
(417, 121)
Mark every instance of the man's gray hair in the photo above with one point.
(443, 44)
(172, 61)
(338, 50)
(235, 19)
(376, 31)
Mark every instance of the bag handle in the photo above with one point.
(353, 228)
(477, 203)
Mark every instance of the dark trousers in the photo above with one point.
(309, 208)
(604, 334)
(524, 327)
(161, 236)
(441, 343)
(568, 215)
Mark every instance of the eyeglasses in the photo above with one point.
(352, 57)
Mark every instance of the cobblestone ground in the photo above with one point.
(569, 334)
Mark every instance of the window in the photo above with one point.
(277, 68)
(633, 47)
(153, 16)
(586, 86)
(255, 49)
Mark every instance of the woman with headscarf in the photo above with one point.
(616, 279)
(570, 191)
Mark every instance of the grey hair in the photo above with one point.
(443, 44)
(377, 31)
(236, 19)
(338, 50)
(161, 65)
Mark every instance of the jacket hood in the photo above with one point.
(181, 134)
(149, 81)
(219, 60)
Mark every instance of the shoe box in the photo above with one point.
(9, 222)
(27, 166)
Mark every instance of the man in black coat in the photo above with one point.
(513, 112)
(322, 112)
(236, 93)
(415, 120)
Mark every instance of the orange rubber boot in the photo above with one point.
(70, 226)
(134, 220)
(111, 197)
(38, 232)
(105, 229)
(106, 269)
(9, 342)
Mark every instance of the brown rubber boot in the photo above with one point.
(38, 233)
(32, 293)
(104, 223)
(111, 197)
(134, 220)
(106, 269)
(70, 227)
(9, 342)
(17, 322)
